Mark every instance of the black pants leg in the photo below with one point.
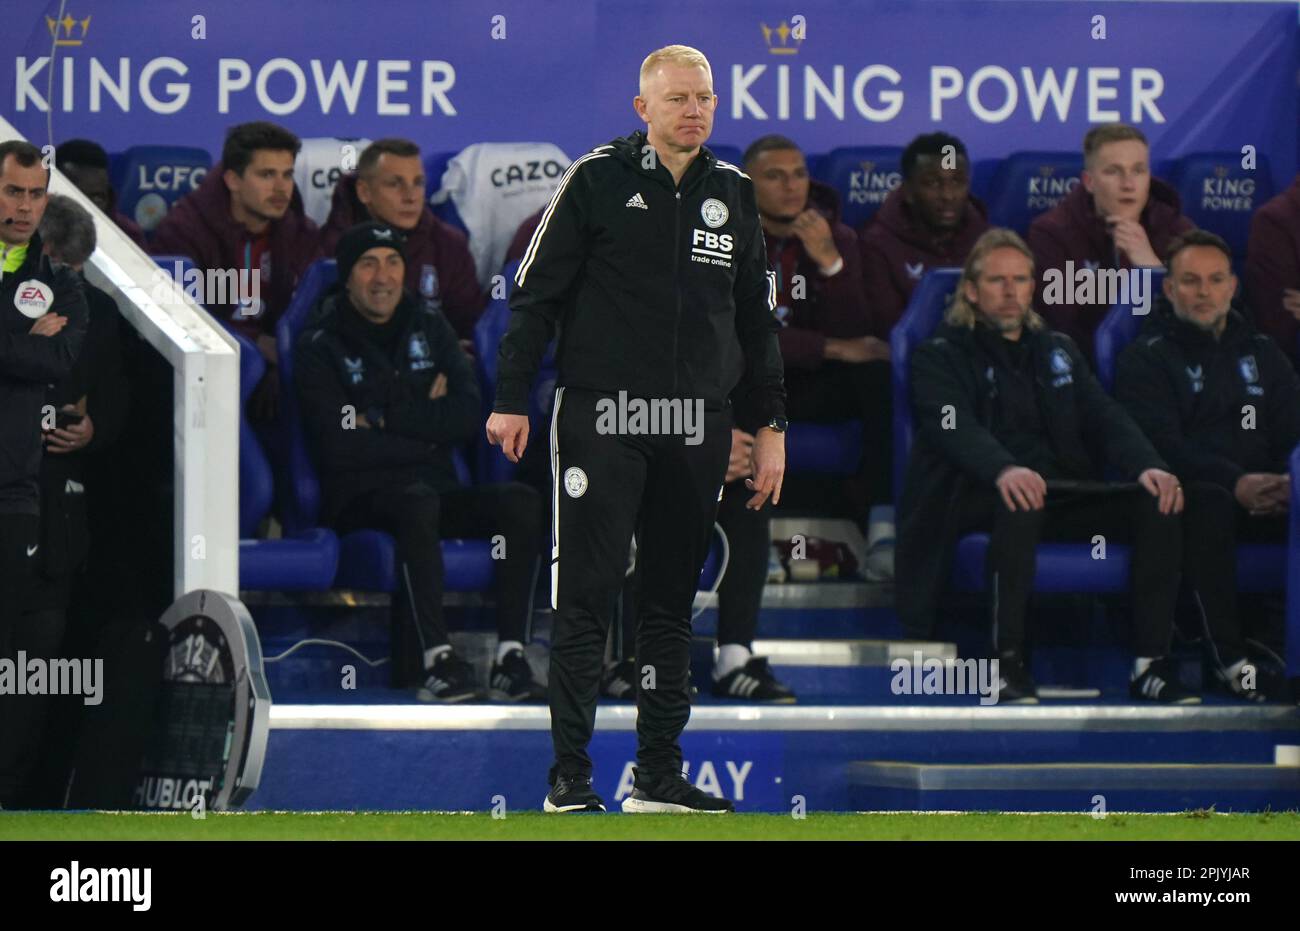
(19, 539)
(749, 538)
(678, 510)
(1210, 522)
(411, 515)
(596, 495)
(1120, 516)
(513, 511)
(839, 391)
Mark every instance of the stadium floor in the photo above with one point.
(1195, 825)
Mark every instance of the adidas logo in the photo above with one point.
(637, 201)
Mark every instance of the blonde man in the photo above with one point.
(650, 260)
(1012, 436)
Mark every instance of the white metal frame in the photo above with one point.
(205, 362)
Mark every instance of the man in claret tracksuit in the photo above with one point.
(650, 260)
(386, 395)
(1221, 403)
(42, 325)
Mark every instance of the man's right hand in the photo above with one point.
(48, 325)
(1021, 489)
(1263, 493)
(510, 432)
(860, 349)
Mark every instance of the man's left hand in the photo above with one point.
(71, 438)
(769, 468)
(1164, 486)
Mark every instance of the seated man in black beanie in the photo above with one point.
(386, 395)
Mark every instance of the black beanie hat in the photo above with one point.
(359, 239)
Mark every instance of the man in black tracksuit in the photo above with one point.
(387, 395)
(650, 260)
(1009, 421)
(1221, 403)
(42, 325)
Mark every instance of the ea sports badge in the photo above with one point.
(714, 212)
(33, 298)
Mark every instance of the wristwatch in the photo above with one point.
(777, 424)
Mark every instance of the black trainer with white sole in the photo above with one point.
(572, 794)
(1160, 683)
(754, 682)
(671, 794)
(450, 679)
(512, 680)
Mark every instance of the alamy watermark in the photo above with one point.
(37, 676)
(922, 675)
(1085, 284)
(210, 287)
(655, 417)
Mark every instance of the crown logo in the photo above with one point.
(867, 167)
(783, 35)
(1047, 170)
(61, 29)
(1221, 171)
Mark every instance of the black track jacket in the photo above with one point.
(658, 290)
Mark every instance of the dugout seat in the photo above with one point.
(1220, 196)
(1027, 184)
(863, 176)
(150, 178)
(317, 170)
(1261, 567)
(367, 558)
(435, 165)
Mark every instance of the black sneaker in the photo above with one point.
(572, 793)
(1160, 683)
(619, 681)
(1253, 682)
(450, 679)
(512, 680)
(1015, 684)
(754, 682)
(671, 794)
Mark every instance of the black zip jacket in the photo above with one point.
(1216, 409)
(340, 362)
(657, 289)
(29, 365)
(954, 384)
(68, 480)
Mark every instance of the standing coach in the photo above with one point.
(650, 260)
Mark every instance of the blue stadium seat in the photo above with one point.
(492, 464)
(367, 558)
(150, 178)
(1029, 183)
(863, 176)
(728, 153)
(1220, 196)
(305, 560)
(1119, 328)
(829, 448)
(434, 165)
(981, 176)
(1261, 567)
(1293, 572)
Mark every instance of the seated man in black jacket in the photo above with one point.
(1221, 403)
(386, 395)
(1012, 434)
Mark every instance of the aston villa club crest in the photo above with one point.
(428, 281)
(1061, 364)
(419, 354)
(1249, 369)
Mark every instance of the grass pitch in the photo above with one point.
(528, 825)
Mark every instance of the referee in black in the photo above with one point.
(650, 260)
(42, 324)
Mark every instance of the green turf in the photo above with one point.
(536, 826)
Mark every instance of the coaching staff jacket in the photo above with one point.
(384, 373)
(1190, 393)
(956, 453)
(29, 364)
(657, 289)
